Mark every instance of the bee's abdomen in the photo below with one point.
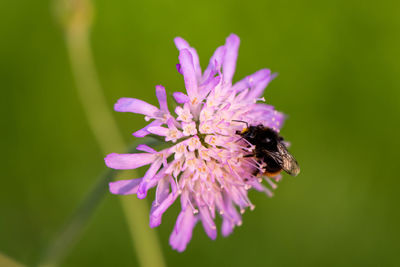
(271, 165)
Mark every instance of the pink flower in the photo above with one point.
(205, 165)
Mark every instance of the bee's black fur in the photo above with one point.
(267, 143)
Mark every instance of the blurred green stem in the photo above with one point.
(7, 261)
(75, 226)
(76, 16)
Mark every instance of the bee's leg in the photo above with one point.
(257, 172)
(249, 156)
(239, 139)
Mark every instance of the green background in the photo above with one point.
(338, 65)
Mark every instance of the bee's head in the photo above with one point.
(245, 130)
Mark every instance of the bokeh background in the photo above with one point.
(338, 65)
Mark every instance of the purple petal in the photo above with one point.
(162, 97)
(158, 130)
(125, 187)
(227, 226)
(186, 60)
(154, 181)
(215, 63)
(185, 199)
(146, 148)
(182, 44)
(163, 206)
(239, 196)
(174, 187)
(229, 65)
(143, 132)
(196, 62)
(135, 105)
(230, 210)
(179, 69)
(261, 188)
(208, 223)
(157, 212)
(163, 189)
(181, 98)
(128, 161)
(266, 115)
(182, 232)
(155, 221)
(252, 80)
(171, 123)
(279, 119)
(268, 109)
(143, 187)
(207, 88)
(258, 88)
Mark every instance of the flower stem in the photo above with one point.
(7, 261)
(74, 227)
(76, 16)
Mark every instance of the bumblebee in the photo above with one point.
(269, 149)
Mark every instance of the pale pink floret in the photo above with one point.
(205, 165)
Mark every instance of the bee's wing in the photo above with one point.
(275, 155)
(289, 163)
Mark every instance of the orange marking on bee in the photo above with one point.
(272, 174)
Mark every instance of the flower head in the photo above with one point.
(205, 165)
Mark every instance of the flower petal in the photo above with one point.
(143, 187)
(258, 88)
(213, 82)
(227, 226)
(158, 130)
(229, 65)
(146, 148)
(129, 161)
(157, 212)
(186, 60)
(182, 232)
(261, 188)
(208, 223)
(231, 211)
(178, 68)
(135, 105)
(163, 190)
(252, 80)
(162, 97)
(185, 199)
(183, 44)
(143, 132)
(180, 97)
(125, 187)
(215, 63)
(266, 115)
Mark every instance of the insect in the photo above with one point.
(269, 149)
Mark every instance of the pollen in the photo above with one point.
(173, 134)
(245, 130)
(195, 101)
